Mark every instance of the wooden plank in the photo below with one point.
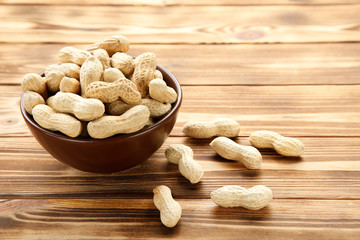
(180, 2)
(217, 24)
(290, 110)
(287, 184)
(329, 169)
(321, 154)
(201, 219)
(246, 64)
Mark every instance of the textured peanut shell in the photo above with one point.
(207, 129)
(50, 102)
(112, 44)
(158, 75)
(170, 210)
(91, 71)
(110, 92)
(56, 72)
(31, 99)
(34, 82)
(253, 198)
(73, 55)
(145, 65)
(156, 108)
(103, 57)
(71, 70)
(85, 109)
(112, 74)
(118, 107)
(150, 122)
(285, 146)
(53, 80)
(131, 121)
(70, 85)
(183, 155)
(228, 149)
(124, 62)
(158, 90)
(47, 118)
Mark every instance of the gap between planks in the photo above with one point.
(233, 85)
(171, 3)
(146, 196)
(193, 43)
(238, 137)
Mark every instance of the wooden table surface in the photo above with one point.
(287, 66)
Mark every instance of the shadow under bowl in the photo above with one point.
(111, 154)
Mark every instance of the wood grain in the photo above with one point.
(321, 154)
(161, 3)
(288, 184)
(248, 64)
(290, 110)
(329, 169)
(201, 219)
(303, 82)
(220, 24)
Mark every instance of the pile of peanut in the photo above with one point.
(253, 198)
(74, 95)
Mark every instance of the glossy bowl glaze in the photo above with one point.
(111, 154)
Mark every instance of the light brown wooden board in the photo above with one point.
(290, 110)
(288, 184)
(327, 153)
(247, 64)
(160, 3)
(329, 169)
(315, 197)
(201, 219)
(202, 24)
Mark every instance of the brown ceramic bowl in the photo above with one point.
(111, 154)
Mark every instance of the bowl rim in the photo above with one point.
(116, 137)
